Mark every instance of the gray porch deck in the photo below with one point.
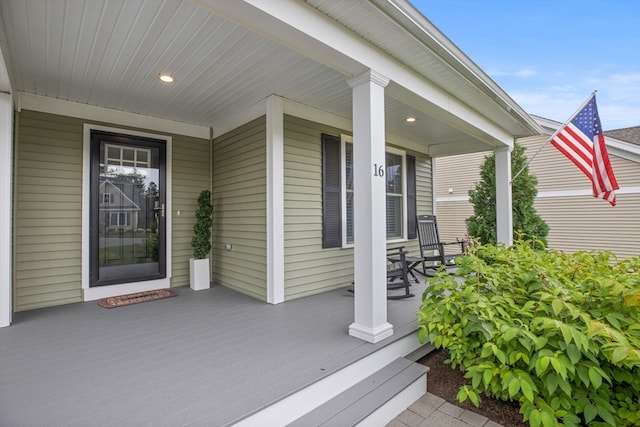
(210, 357)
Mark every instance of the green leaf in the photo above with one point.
(556, 304)
(558, 367)
(474, 398)
(422, 334)
(565, 386)
(486, 351)
(527, 391)
(574, 353)
(590, 412)
(619, 354)
(596, 379)
(552, 381)
(535, 418)
(548, 420)
(514, 387)
(462, 394)
(606, 415)
(487, 375)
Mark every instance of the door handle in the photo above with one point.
(159, 208)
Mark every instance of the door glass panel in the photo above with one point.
(128, 224)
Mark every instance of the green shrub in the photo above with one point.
(559, 333)
(201, 241)
(482, 224)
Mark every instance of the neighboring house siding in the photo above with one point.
(48, 206)
(576, 222)
(191, 174)
(239, 209)
(310, 269)
(458, 174)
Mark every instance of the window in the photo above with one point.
(126, 160)
(338, 193)
(118, 219)
(394, 176)
(107, 198)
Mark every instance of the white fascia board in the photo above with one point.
(45, 104)
(415, 25)
(303, 29)
(623, 149)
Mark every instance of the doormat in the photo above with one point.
(136, 298)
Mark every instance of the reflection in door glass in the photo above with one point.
(129, 212)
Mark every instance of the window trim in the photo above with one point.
(344, 140)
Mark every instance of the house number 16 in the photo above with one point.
(378, 170)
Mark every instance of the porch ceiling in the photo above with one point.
(109, 54)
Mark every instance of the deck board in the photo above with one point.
(210, 357)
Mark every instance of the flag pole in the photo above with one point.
(554, 135)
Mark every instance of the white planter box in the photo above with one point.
(199, 274)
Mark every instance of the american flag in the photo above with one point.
(582, 141)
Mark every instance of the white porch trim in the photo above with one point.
(45, 104)
(275, 200)
(6, 168)
(504, 202)
(88, 293)
(370, 296)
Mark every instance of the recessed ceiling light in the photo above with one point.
(166, 77)
(410, 119)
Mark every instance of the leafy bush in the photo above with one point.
(559, 333)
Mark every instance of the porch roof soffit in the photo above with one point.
(428, 72)
(229, 61)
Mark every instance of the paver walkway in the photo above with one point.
(433, 411)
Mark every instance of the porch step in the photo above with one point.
(373, 401)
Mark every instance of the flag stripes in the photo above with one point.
(581, 140)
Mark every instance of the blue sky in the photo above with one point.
(549, 55)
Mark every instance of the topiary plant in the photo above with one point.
(201, 241)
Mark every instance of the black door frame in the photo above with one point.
(96, 138)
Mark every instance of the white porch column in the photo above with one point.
(504, 208)
(275, 200)
(6, 168)
(370, 296)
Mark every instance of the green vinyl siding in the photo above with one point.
(239, 209)
(190, 174)
(48, 211)
(48, 207)
(310, 269)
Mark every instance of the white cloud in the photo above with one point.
(557, 94)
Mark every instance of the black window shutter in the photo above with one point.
(331, 197)
(411, 197)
